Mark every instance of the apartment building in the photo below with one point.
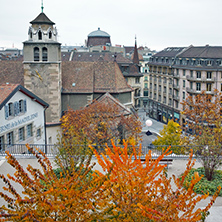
(176, 72)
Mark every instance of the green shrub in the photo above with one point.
(204, 186)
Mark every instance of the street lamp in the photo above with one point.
(149, 122)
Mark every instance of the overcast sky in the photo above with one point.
(156, 23)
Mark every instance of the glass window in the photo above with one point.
(145, 85)
(137, 80)
(38, 133)
(184, 72)
(208, 87)
(21, 134)
(191, 73)
(191, 85)
(145, 78)
(209, 75)
(9, 138)
(198, 75)
(198, 86)
(1, 142)
(184, 83)
(184, 95)
(29, 130)
(170, 101)
(11, 109)
(36, 54)
(44, 54)
(145, 93)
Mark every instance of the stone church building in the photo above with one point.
(60, 83)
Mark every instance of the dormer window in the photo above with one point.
(36, 54)
(209, 62)
(44, 54)
(40, 35)
(50, 34)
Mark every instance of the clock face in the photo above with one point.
(40, 76)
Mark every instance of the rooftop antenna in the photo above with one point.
(42, 6)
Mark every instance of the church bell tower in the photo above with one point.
(42, 64)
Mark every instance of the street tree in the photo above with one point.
(170, 135)
(203, 122)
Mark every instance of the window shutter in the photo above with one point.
(25, 106)
(6, 112)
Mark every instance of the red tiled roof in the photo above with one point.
(89, 77)
(6, 90)
(11, 72)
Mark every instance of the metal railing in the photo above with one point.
(51, 150)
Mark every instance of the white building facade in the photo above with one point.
(22, 116)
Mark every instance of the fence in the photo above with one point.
(51, 150)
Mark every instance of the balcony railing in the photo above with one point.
(176, 97)
(203, 79)
(176, 75)
(176, 86)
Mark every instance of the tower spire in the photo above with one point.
(42, 6)
(135, 54)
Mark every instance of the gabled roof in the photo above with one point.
(93, 77)
(8, 90)
(111, 101)
(11, 72)
(42, 19)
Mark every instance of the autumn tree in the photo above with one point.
(127, 190)
(100, 122)
(47, 197)
(203, 120)
(170, 135)
(137, 191)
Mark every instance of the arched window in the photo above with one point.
(50, 34)
(40, 35)
(36, 54)
(44, 54)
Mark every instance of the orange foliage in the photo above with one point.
(46, 197)
(136, 191)
(100, 122)
(128, 190)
